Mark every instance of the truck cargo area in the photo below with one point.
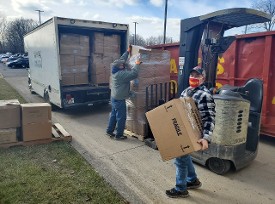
(70, 60)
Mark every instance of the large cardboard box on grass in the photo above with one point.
(176, 127)
(9, 113)
(37, 131)
(36, 113)
(36, 121)
(8, 135)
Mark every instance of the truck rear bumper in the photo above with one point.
(84, 96)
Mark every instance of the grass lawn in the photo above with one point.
(7, 92)
(51, 173)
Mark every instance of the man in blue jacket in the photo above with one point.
(120, 91)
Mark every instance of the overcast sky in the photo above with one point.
(148, 13)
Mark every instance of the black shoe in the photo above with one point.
(110, 134)
(194, 184)
(120, 137)
(173, 193)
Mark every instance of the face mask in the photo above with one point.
(194, 82)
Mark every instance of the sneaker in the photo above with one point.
(120, 137)
(110, 134)
(194, 184)
(173, 193)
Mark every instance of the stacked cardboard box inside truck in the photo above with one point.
(74, 59)
(106, 50)
(155, 69)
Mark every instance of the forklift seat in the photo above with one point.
(253, 91)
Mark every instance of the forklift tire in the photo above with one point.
(219, 166)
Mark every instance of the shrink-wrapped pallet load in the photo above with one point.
(155, 69)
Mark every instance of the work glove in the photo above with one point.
(139, 60)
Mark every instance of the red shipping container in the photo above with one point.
(249, 56)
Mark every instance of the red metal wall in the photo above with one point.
(250, 56)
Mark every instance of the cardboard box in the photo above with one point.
(81, 78)
(35, 113)
(75, 50)
(100, 79)
(69, 39)
(137, 127)
(98, 69)
(73, 60)
(37, 131)
(8, 135)
(176, 127)
(67, 79)
(98, 48)
(84, 40)
(99, 37)
(75, 78)
(9, 114)
(74, 39)
(74, 69)
(66, 60)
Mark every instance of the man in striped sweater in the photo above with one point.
(186, 177)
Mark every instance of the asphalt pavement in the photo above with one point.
(137, 172)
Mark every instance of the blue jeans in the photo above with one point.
(117, 117)
(185, 172)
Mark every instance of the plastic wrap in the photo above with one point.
(155, 69)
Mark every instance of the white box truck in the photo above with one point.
(70, 60)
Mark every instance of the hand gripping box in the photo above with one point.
(176, 127)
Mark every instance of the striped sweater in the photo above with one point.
(206, 106)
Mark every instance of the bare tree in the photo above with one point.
(267, 6)
(157, 40)
(139, 40)
(15, 31)
(3, 25)
(148, 41)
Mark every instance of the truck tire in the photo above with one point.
(47, 100)
(30, 86)
(219, 166)
(46, 97)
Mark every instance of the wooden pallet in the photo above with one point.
(135, 135)
(58, 134)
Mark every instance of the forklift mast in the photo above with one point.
(207, 32)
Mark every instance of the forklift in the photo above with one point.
(238, 109)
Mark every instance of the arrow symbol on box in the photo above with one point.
(186, 147)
